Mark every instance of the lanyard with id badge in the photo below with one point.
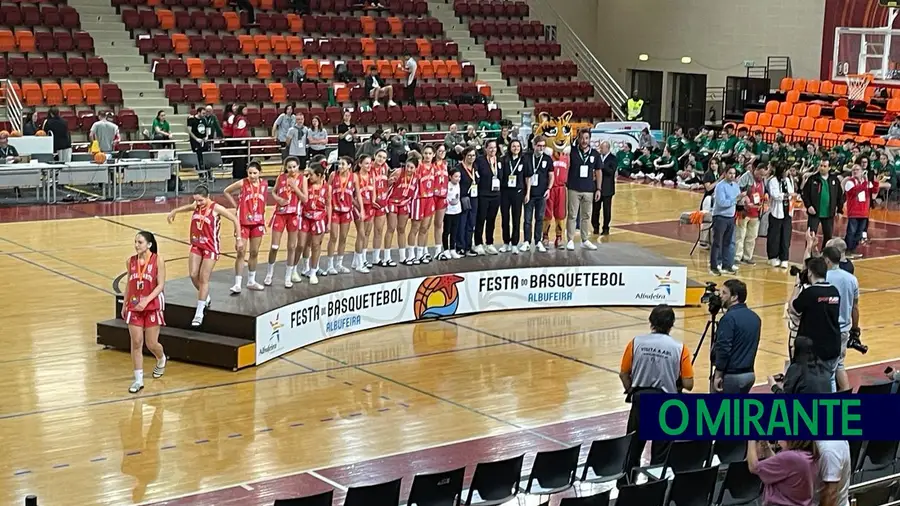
(534, 177)
(495, 179)
(513, 173)
(584, 168)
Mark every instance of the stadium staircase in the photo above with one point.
(127, 68)
(505, 96)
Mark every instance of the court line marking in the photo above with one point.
(48, 255)
(331, 482)
(61, 274)
(167, 237)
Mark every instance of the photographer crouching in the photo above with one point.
(737, 341)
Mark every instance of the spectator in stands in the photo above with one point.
(198, 133)
(301, 6)
(834, 472)
(541, 168)
(317, 137)
(245, 5)
(737, 341)
(823, 199)
(28, 126)
(752, 184)
(848, 316)
(399, 146)
(57, 127)
(239, 130)
(213, 127)
(412, 69)
(297, 140)
(375, 89)
(894, 130)
(781, 191)
(346, 133)
(454, 142)
(373, 145)
(647, 140)
(789, 476)
(160, 130)
(473, 138)
(725, 198)
(488, 184)
(283, 124)
(582, 183)
(105, 133)
(806, 374)
(503, 139)
(8, 154)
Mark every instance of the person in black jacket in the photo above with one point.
(515, 190)
(582, 184)
(822, 206)
(606, 190)
(540, 166)
(488, 169)
(468, 200)
(737, 341)
(806, 374)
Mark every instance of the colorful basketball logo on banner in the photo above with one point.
(437, 296)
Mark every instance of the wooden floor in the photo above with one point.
(72, 434)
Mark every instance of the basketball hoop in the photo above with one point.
(856, 86)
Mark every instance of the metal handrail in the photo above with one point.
(866, 485)
(588, 66)
(14, 106)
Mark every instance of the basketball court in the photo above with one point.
(351, 410)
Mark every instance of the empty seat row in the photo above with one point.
(214, 93)
(51, 93)
(542, 49)
(515, 28)
(813, 86)
(38, 68)
(180, 43)
(24, 41)
(580, 110)
(516, 69)
(196, 68)
(571, 89)
(30, 15)
(518, 9)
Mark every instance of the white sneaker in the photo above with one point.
(570, 245)
(362, 269)
(479, 250)
(331, 271)
(454, 255)
(376, 103)
(391, 103)
(288, 283)
(514, 249)
(255, 287)
(197, 321)
(268, 280)
(136, 387)
(295, 277)
(313, 280)
(784, 264)
(503, 248)
(343, 270)
(540, 247)
(588, 245)
(524, 247)
(775, 262)
(236, 289)
(491, 250)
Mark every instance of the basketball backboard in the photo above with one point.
(873, 51)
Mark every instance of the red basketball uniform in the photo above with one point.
(367, 194)
(315, 211)
(342, 190)
(380, 175)
(205, 224)
(252, 208)
(423, 205)
(441, 182)
(142, 280)
(402, 192)
(285, 217)
(556, 201)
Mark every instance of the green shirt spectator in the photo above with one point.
(159, 129)
(824, 209)
(624, 157)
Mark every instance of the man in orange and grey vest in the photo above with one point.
(654, 363)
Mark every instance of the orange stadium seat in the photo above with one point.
(369, 47)
(367, 64)
(25, 41)
(279, 44)
(893, 105)
(778, 121)
(166, 19)
(764, 120)
(786, 108)
(7, 41)
(368, 25)
(836, 126)
(52, 93)
(814, 110)
(840, 89)
(72, 94)
(279, 94)
(295, 23)
(219, 4)
(821, 125)
(341, 93)
(772, 107)
(800, 135)
(484, 88)
(799, 85)
(263, 45)
(310, 68)
(799, 109)
(181, 44)
(195, 68)
(92, 93)
(878, 141)
(893, 143)
(426, 69)
(829, 138)
(232, 21)
(793, 96)
(248, 46)
(841, 112)
(396, 25)
(424, 47)
(787, 84)
(295, 44)
(440, 69)
(807, 123)
(326, 70)
(792, 122)
(399, 70)
(210, 93)
(266, 5)
(751, 117)
(813, 86)
(827, 88)
(454, 69)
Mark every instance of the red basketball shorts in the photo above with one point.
(556, 203)
(313, 227)
(204, 253)
(440, 203)
(282, 222)
(341, 218)
(252, 231)
(145, 319)
(421, 208)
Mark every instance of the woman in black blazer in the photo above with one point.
(515, 190)
(488, 169)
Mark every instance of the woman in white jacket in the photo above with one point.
(780, 188)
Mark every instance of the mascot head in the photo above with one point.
(557, 131)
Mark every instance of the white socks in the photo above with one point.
(331, 262)
(201, 305)
(411, 252)
(159, 363)
(305, 264)
(376, 256)
(402, 254)
(251, 277)
(438, 249)
(387, 254)
(270, 269)
(139, 375)
(238, 280)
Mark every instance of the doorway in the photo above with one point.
(648, 84)
(688, 100)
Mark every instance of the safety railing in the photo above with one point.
(588, 66)
(884, 481)
(13, 105)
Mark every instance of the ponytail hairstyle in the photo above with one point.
(414, 157)
(347, 160)
(318, 169)
(254, 165)
(287, 161)
(151, 241)
(359, 161)
(201, 190)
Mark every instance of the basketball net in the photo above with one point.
(856, 86)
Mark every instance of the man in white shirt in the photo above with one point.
(412, 67)
(835, 469)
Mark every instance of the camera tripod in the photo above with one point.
(710, 329)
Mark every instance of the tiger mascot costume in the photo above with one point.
(558, 133)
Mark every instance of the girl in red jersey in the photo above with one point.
(205, 243)
(441, 182)
(251, 211)
(289, 186)
(403, 187)
(344, 196)
(421, 211)
(143, 306)
(304, 252)
(381, 175)
(364, 214)
(316, 214)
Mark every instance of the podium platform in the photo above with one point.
(253, 327)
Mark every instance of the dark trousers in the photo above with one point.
(486, 219)
(466, 227)
(534, 213)
(199, 149)
(855, 229)
(658, 449)
(722, 248)
(411, 92)
(450, 233)
(778, 240)
(239, 164)
(827, 226)
(511, 214)
(606, 203)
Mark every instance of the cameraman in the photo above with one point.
(817, 304)
(806, 374)
(654, 363)
(737, 340)
(848, 287)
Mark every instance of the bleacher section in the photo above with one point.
(50, 61)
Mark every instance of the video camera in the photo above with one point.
(802, 275)
(712, 298)
(854, 342)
